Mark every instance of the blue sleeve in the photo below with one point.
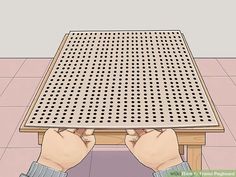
(39, 170)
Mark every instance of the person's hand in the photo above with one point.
(63, 150)
(157, 150)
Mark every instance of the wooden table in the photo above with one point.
(191, 138)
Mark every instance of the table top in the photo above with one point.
(168, 60)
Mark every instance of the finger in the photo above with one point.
(136, 132)
(131, 132)
(80, 132)
(169, 131)
(89, 141)
(130, 142)
(148, 130)
(89, 131)
(140, 132)
(72, 130)
(53, 129)
(88, 138)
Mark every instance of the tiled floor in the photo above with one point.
(19, 92)
(3, 84)
(19, 79)
(217, 87)
(223, 158)
(17, 160)
(229, 66)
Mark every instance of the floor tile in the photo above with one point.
(17, 160)
(222, 90)
(9, 67)
(229, 66)
(33, 68)
(210, 67)
(10, 117)
(1, 152)
(82, 169)
(3, 84)
(229, 115)
(220, 157)
(234, 80)
(19, 92)
(204, 164)
(117, 163)
(226, 138)
(24, 139)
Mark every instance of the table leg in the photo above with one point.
(194, 156)
(181, 149)
(40, 137)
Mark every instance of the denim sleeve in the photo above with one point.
(39, 170)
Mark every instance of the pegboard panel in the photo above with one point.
(123, 79)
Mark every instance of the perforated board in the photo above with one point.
(123, 79)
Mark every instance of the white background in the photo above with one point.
(30, 28)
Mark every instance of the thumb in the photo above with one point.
(148, 130)
(154, 131)
(89, 131)
(131, 132)
(130, 142)
(136, 132)
(140, 132)
(53, 129)
(89, 141)
(79, 131)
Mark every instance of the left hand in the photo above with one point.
(63, 150)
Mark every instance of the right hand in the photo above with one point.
(157, 150)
